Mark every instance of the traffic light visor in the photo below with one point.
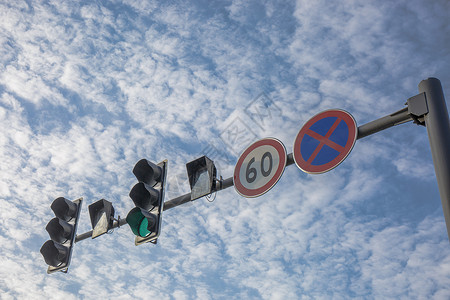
(54, 254)
(59, 230)
(144, 196)
(64, 209)
(147, 172)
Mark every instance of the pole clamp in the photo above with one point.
(418, 108)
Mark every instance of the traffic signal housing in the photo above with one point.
(62, 229)
(202, 174)
(148, 196)
(101, 214)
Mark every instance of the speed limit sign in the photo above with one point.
(260, 167)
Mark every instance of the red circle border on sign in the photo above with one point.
(251, 193)
(352, 136)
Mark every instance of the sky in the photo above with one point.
(88, 88)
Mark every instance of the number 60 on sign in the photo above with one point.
(259, 167)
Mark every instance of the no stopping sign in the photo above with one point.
(325, 141)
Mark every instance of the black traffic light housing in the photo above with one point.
(202, 174)
(148, 196)
(101, 214)
(57, 251)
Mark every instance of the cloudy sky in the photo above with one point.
(88, 88)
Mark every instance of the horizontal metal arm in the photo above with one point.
(396, 118)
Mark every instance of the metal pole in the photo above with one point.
(363, 130)
(396, 118)
(438, 128)
(226, 183)
(375, 126)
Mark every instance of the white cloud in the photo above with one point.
(86, 90)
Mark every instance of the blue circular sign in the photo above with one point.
(325, 141)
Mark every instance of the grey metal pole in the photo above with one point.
(226, 183)
(364, 130)
(396, 118)
(438, 129)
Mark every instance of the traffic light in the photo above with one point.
(202, 177)
(148, 196)
(62, 230)
(101, 214)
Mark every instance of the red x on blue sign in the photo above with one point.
(325, 141)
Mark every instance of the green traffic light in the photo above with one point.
(138, 222)
(143, 231)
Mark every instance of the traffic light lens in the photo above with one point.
(138, 223)
(143, 231)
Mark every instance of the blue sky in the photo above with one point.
(88, 88)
